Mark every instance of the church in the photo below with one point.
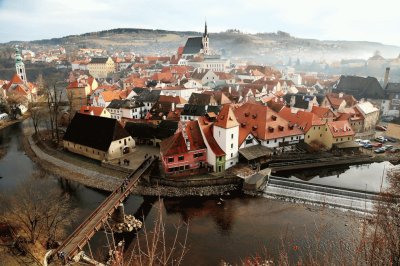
(197, 45)
(18, 88)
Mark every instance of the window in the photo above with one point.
(276, 140)
(180, 158)
(171, 159)
(231, 155)
(248, 141)
(231, 136)
(219, 133)
(267, 141)
(320, 135)
(232, 146)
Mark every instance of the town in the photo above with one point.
(197, 123)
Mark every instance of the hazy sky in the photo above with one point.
(368, 20)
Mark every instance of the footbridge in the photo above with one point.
(85, 231)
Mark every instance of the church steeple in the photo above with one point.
(19, 65)
(205, 40)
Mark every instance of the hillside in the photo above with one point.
(261, 47)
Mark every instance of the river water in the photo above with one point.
(229, 230)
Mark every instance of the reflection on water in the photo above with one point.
(231, 229)
(368, 177)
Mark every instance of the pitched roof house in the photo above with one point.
(97, 137)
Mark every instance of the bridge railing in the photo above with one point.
(88, 219)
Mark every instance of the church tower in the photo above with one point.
(20, 66)
(205, 40)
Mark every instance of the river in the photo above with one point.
(229, 230)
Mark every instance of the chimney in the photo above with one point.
(386, 78)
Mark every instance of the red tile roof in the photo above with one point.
(340, 129)
(262, 122)
(176, 144)
(226, 118)
(97, 111)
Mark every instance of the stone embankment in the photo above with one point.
(104, 182)
(70, 171)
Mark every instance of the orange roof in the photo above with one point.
(108, 96)
(176, 144)
(224, 76)
(322, 112)
(263, 123)
(164, 77)
(226, 118)
(15, 79)
(340, 129)
(304, 120)
(91, 110)
(172, 99)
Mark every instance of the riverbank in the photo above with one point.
(68, 169)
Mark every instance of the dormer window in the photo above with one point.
(273, 117)
(254, 127)
(243, 124)
(246, 114)
(270, 129)
(281, 128)
(254, 116)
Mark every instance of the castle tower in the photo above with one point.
(205, 40)
(20, 66)
(226, 133)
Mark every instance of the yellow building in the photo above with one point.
(101, 67)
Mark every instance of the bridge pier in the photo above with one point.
(119, 214)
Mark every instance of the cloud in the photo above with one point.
(324, 19)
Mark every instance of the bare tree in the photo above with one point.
(54, 96)
(153, 247)
(39, 209)
(36, 114)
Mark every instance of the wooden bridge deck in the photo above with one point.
(82, 234)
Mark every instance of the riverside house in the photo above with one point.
(97, 137)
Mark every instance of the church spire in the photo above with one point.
(205, 40)
(205, 29)
(19, 65)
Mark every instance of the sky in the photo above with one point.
(353, 20)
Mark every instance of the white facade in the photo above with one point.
(115, 113)
(228, 139)
(181, 92)
(217, 64)
(133, 113)
(249, 141)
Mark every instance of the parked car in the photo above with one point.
(380, 128)
(377, 145)
(367, 146)
(365, 141)
(387, 147)
(394, 150)
(380, 150)
(391, 139)
(381, 139)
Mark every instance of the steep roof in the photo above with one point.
(322, 112)
(392, 87)
(263, 123)
(340, 128)
(360, 87)
(193, 45)
(206, 127)
(148, 95)
(177, 144)
(202, 99)
(226, 118)
(94, 131)
(99, 60)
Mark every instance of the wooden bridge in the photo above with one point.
(85, 231)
